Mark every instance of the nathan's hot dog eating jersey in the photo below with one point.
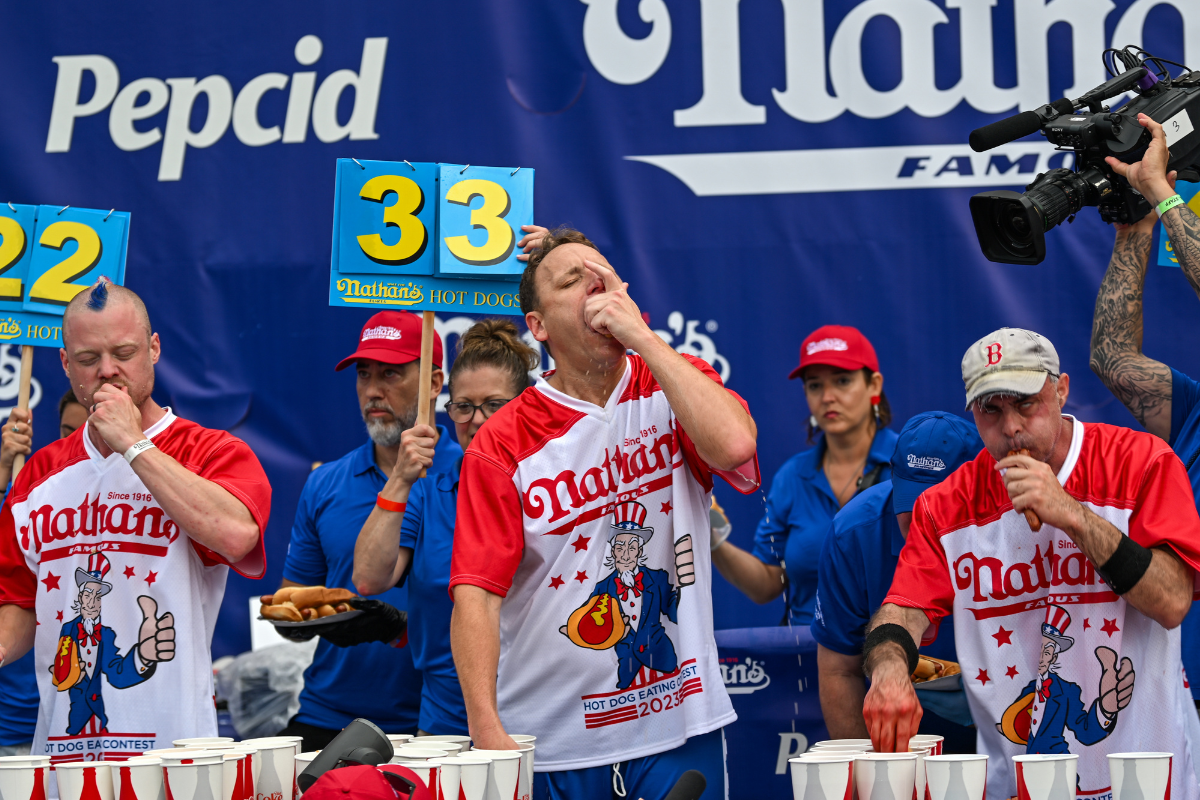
(85, 544)
(574, 513)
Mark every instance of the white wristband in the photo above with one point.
(137, 448)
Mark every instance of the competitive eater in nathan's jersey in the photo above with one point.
(115, 544)
(581, 561)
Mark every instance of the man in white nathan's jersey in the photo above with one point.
(581, 572)
(115, 543)
(1067, 555)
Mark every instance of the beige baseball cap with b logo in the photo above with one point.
(1008, 361)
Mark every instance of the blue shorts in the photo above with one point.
(650, 777)
(442, 708)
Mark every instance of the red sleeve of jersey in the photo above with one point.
(746, 478)
(18, 586)
(922, 578)
(489, 537)
(1165, 513)
(235, 468)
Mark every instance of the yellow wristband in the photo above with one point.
(1169, 203)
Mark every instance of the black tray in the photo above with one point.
(319, 623)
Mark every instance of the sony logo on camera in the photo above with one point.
(143, 98)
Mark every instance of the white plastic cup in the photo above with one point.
(881, 775)
(171, 751)
(276, 769)
(24, 761)
(938, 742)
(302, 762)
(248, 770)
(445, 737)
(140, 778)
(923, 751)
(202, 740)
(504, 773)
(232, 784)
(87, 780)
(523, 738)
(194, 776)
(1140, 775)
(859, 742)
(398, 739)
(823, 778)
(419, 753)
(426, 770)
(1041, 776)
(449, 778)
(473, 776)
(450, 748)
(956, 777)
(525, 782)
(26, 781)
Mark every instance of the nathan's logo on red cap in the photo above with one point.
(826, 344)
(994, 353)
(382, 332)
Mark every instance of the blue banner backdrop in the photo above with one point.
(754, 169)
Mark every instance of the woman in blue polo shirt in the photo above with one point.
(849, 414)
(413, 540)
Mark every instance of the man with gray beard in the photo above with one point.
(369, 678)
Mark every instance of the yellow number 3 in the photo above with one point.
(489, 216)
(401, 214)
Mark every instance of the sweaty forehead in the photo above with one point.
(568, 258)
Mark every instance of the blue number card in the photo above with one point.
(72, 248)
(387, 211)
(480, 214)
(428, 237)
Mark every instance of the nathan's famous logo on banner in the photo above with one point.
(143, 98)
(810, 69)
(743, 675)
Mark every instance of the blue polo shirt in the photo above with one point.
(428, 530)
(800, 507)
(1185, 441)
(371, 680)
(18, 697)
(856, 568)
(18, 701)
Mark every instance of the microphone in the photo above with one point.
(689, 786)
(1012, 128)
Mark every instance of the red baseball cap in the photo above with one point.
(365, 783)
(836, 346)
(393, 337)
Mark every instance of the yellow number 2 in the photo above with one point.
(400, 214)
(54, 286)
(11, 250)
(489, 216)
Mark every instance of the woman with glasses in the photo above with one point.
(492, 368)
(848, 415)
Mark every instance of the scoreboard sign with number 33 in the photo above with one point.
(422, 236)
(48, 254)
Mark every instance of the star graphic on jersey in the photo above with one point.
(1087, 623)
(128, 572)
(1110, 627)
(1011, 672)
(581, 542)
(556, 582)
(1002, 637)
(666, 507)
(60, 616)
(581, 576)
(51, 581)
(151, 577)
(982, 677)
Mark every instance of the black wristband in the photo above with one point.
(891, 632)
(1126, 566)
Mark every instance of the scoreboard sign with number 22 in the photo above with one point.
(422, 236)
(48, 254)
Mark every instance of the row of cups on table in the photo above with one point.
(846, 768)
(218, 768)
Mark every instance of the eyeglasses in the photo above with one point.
(464, 412)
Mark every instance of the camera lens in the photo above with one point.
(1009, 227)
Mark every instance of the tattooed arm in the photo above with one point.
(1141, 383)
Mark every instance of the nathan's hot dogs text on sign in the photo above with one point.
(303, 603)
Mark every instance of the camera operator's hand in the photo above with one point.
(1149, 176)
(379, 622)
